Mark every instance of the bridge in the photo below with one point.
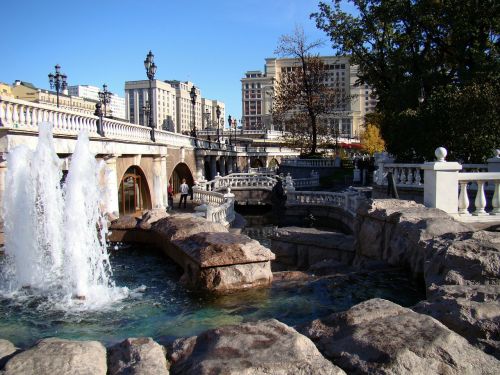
(139, 169)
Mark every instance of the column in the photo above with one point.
(222, 163)
(3, 172)
(213, 167)
(112, 183)
(230, 163)
(164, 178)
(200, 168)
(158, 184)
(441, 183)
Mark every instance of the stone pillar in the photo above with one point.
(200, 168)
(164, 178)
(213, 167)
(222, 163)
(158, 184)
(112, 183)
(230, 163)
(3, 173)
(494, 162)
(441, 183)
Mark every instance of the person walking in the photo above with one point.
(184, 192)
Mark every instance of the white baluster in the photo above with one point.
(480, 201)
(496, 199)
(15, 116)
(418, 179)
(409, 177)
(22, 117)
(463, 200)
(28, 117)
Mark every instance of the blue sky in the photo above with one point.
(211, 43)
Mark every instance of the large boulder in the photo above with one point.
(137, 356)
(223, 262)
(381, 337)
(177, 227)
(54, 356)
(6, 350)
(303, 247)
(473, 311)
(396, 232)
(265, 347)
(463, 259)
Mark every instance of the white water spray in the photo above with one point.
(55, 237)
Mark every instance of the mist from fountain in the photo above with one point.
(55, 236)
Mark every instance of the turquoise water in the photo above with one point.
(162, 308)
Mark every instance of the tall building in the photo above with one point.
(185, 113)
(164, 104)
(258, 87)
(209, 109)
(116, 106)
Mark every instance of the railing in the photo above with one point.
(239, 181)
(310, 163)
(348, 201)
(307, 182)
(480, 179)
(216, 207)
(23, 115)
(409, 175)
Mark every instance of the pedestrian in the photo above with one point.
(170, 192)
(184, 192)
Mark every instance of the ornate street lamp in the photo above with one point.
(217, 112)
(150, 72)
(230, 122)
(193, 96)
(98, 113)
(58, 81)
(105, 97)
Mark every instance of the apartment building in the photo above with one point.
(164, 104)
(258, 87)
(209, 108)
(116, 106)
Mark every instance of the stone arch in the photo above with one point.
(180, 171)
(134, 194)
(256, 163)
(273, 163)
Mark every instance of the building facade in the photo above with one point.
(116, 106)
(27, 91)
(164, 104)
(257, 89)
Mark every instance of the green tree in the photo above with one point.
(302, 97)
(422, 58)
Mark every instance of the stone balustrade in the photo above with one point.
(217, 207)
(308, 182)
(201, 195)
(405, 174)
(348, 201)
(239, 181)
(26, 116)
(223, 214)
(310, 163)
(480, 180)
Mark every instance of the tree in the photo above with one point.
(302, 98)
(441, 52)
(371, 140)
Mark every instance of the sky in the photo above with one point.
(211, 43)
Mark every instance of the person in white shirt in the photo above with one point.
(184, 192)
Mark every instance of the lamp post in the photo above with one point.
(217, 112)
(150, 72)
(98, 113)
(230, 122)
(105, 97)
(193, 96)
(58, 81)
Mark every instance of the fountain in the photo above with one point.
(55, 235)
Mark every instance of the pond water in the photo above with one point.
(158, 306)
